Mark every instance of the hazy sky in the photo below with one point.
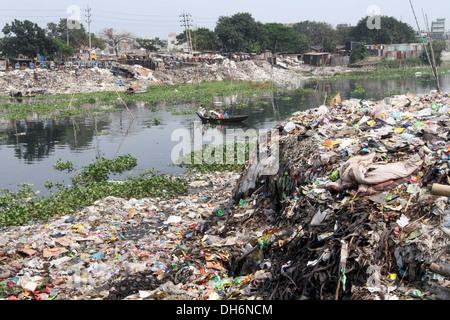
(159, 18)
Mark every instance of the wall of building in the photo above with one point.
(172, 44)
(400, 51)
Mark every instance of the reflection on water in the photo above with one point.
(29, 149)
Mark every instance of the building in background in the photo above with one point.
(438, 29)
(173, 46)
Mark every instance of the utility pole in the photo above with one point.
(187, 24)
(88, 10)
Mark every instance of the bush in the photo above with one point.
(360, 53)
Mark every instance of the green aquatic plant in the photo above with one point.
(358, 91)
(103, 167)
(89, 185)
(212, 162)
(61, 165)
(154, 122)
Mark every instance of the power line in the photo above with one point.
(152, 21)
(32, 10)
(27, 16)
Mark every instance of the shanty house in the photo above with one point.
(316, 58)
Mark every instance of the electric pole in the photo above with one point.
(187, 24)
(88, 10)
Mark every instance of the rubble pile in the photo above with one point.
(356, 217)
(247, 70)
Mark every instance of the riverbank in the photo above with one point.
(50, 82)
(245, 236)
(68, 81)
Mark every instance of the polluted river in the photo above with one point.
(30, 148)
(353, 206)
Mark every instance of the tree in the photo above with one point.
(239, 33)
(343, 35)
(438, 47)
(116, 39)
(301, 43)
(329, 44)
(78, 37)
(359, 53)
(391, 31)
(149, 45)
(64, 49)
(27, 38)
(278, 38)
(203, 39)
(316, 32)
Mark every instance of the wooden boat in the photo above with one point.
(226, 120)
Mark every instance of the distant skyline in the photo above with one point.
(160, 18)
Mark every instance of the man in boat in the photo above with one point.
(202, 111)
(130, 91)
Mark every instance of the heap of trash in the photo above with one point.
(357, 209)
(41, 81)
(359, 206)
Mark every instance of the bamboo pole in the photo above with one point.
(433, 70)
(129, 112)
(438, 87)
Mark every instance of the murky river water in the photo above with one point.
(29, 149)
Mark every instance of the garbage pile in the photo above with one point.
(178, 249)
(359, 207)
(30, 82)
